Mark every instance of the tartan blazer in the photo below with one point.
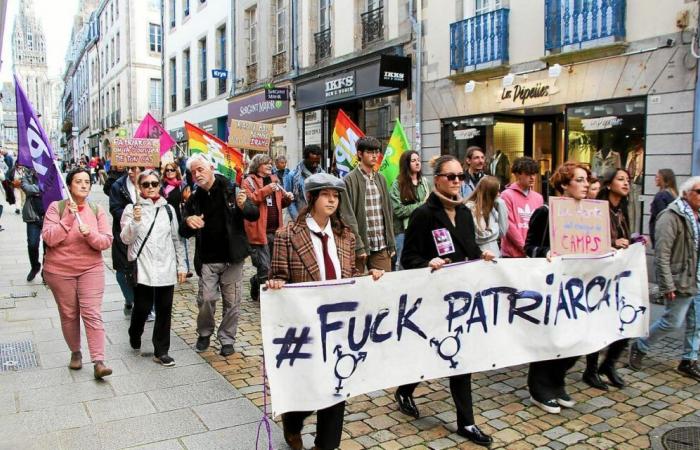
(294, 260)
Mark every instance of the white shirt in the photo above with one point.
(318, 247)
(132, 189)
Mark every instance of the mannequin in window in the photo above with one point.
(499, 167)
(605, 159)
(635, 167)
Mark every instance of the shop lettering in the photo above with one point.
(259, 107)
(522, 94)
(340, 86)
(394, 76)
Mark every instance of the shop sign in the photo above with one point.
(178, 134)
(394, 71)
(250, 135)
(219, 73)
(469, 133)
(527, 94)
(601, 123)
(276, 94)
(340, 86)
(209, 126)
(257, 108)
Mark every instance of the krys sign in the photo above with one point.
(527, 94)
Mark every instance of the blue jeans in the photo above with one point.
(127, 291)
(399, 238)
(187, 256)
(33, 240)
(682, 309)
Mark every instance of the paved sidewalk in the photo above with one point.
(142, 405)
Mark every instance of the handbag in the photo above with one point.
(133, 279)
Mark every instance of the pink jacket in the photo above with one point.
(520, 207)
(68, 252)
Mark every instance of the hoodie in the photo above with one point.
(520, 206)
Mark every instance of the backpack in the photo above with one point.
(62, 207)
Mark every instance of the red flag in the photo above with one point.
(151, 129)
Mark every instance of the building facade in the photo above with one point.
(606, 83)
(8, 132)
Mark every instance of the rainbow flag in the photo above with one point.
(228, 160)
(398, 144)
(345, 134)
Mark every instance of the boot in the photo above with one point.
(101, 370)
(608, 369)
(591, 378)
(76, 361)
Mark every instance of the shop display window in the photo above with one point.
(379, 117)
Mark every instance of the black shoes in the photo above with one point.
(202, 344)
(689, 368)
(407, 405)
(226, 350)
(135, 342)
(614, 378)
(551, 406)
(164, 360)
(474, 434)
(591, 378)
(636, 357)
(33, 273)
(127, 309)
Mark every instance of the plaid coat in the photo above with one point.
(294, 260)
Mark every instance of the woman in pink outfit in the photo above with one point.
(74, 269)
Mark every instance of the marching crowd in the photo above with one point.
(304, 224)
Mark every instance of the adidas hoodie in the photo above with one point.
(520, 206)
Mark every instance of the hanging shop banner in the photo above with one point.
(579, 227)
(527, 94)
(250, 135)
(395, 71)
(329, 341)
(276, 94)
(136, 152)
(256, 108)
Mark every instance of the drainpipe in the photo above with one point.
(418, 91)
(696, 122)
(234, 75)
(162, 63)
(128, 70)
(295, 39)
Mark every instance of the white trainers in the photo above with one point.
(550, 406)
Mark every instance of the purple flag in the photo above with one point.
(34, 149)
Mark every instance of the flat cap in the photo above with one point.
(319, 181)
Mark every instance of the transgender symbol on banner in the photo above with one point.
(345, 135)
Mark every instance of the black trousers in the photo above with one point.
(144, 299)
(615, 350)
(329, 425)
(545, 379)
(461, 390)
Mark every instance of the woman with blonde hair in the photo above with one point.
(489, 213)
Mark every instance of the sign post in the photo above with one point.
(136, 152)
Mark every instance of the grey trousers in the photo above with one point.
(224, 278)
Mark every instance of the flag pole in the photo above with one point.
(64, 187)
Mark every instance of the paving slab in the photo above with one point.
(206, 392)
(228, 413)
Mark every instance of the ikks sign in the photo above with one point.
(527, 94)
(340, 86)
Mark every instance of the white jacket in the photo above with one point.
(163, 256)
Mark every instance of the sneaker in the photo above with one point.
(565, 400)
(135, 343)
(550, 406)
(33, 273)
(127, 309)
(636, 357)
(226, 350)
(689, 368)
(202, 344)
(164, 360)
(151, 317)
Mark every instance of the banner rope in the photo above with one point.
(265, 419)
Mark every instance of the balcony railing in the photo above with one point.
(279, 63)
(202, 90)
(478, 40)
(173, 102)
(187, 97)
(322, 40)
(571, 24)
(251, 74)
(220, 85)
(372, 26)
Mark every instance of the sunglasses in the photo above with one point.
(453, 176)
(150, 184)
(170, 170)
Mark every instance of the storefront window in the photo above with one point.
(380, 115)
(460, 134)
(603, 135)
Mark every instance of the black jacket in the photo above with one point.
(537, 240)
(239, 248)
(174, 199)
(419, 246)
(118, 199)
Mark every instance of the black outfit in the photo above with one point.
(419, 248)
(329, 425)
(145, 297)
(661, 200)
(545, 379)
(174, 199)
(118, 199)
(223, 237)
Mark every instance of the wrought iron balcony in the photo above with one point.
(251, 73)
(478, 40)
(372, 26)
(279, 63)
(187, 97)
(322, 40)
(202, 90)
(573, 24)
(220, 85)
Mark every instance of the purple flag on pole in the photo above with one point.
(151, 129)
(34, 149)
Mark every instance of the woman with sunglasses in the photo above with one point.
(176, 192)
(546, 379)
(441, 231)
(150, 229)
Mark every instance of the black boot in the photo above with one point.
(608, 369)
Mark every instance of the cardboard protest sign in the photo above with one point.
(136, 152)
(579, 227)
(329, 341)
(250, 135)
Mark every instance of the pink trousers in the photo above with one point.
(80, 296)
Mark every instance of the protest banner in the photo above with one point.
(136, 152)
(326, 342)
(581, 227)
(250, 135)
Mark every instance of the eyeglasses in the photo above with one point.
(150, 184)
(453, 176)
(170, 170)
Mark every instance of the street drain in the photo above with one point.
(17, 355)
(682, 438)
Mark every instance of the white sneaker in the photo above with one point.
(151, 317)
(566, 401)
(550, 406)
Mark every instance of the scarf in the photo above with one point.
(687, 211)
(155, 199)
(450, 205)
(172, 183)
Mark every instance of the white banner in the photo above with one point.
(327, 342)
